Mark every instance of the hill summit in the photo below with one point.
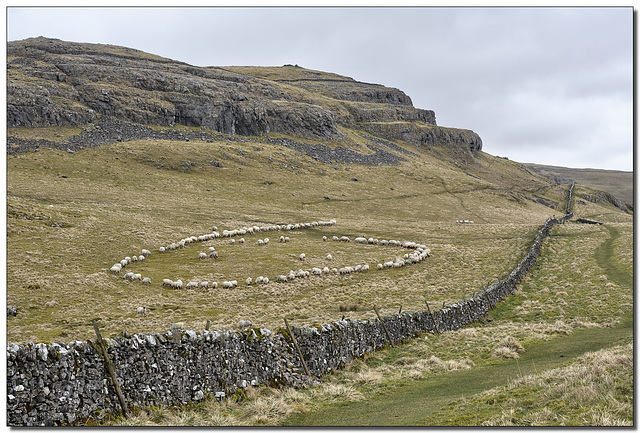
(56, 83)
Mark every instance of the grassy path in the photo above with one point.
(418, 402)
(415, 403)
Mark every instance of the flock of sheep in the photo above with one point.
(420, 253)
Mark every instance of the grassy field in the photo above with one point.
(557, 353)
(70, 216)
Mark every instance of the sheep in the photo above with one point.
(232, 241)
(361, 240)
(345, 239)
(281, 239)
(146, 281)
(260, 242)
(212, 249)
(134, 259)
(116, 268)
(204, 285)
(227, 285)
(303, 256)
(266, 240)
(286, 239)
(324, 239)
(241, 240)
(388, 264)
(123, 263)
(214, 285)
(202, 256)
(259, 280)
(244, 324)
(265, 280)
(249, 280)
(234, 283)
(364, 268)
(128, 276)
(379, 266)
(213, 254)
(281, 278)
(167, 282)
(178, 284)
(329, 257)
(316, 271)
(162, 249)
(334, 271)
(336, 238)
(142, 311)
(192, 285)
(326, 270)
(141, 258)
(146, 252)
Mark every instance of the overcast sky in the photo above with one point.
(545, 85)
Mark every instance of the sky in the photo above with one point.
(548, 85)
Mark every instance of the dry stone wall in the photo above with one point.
(57, 384)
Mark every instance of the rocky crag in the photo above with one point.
(57, 83)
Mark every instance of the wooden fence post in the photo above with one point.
(432, 319)
(295, 343)
(383, 326)
(110, 369)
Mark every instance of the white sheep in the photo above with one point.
(266, 240)
(213, 254)
(326, 270)
(178, 284)
(335, 238)
(204, 285)
(365, 268)
(232, 241)
(260, 242)
(116, 268)
(214, 285)
(227, 285)
(260, 279)
(192, 285)
(286, 239)
(142, 311)
(162, 249)
(281, 279)
(167, 282)
(281, 239)
(128, 276)
(316, 271)
(141, 258)
(146, 281)
(241, 240)
(146, 252)
(324, 238)
(265, 280)
(123, 263)
(249, 281)
(380, 266)
(303, 256)
(244, 324)
(202, 256)
(234, 283)
(134, 259)
(329, 257)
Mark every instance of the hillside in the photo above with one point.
(618, 183)
(111, 151)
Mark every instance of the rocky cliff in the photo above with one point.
(56, 83)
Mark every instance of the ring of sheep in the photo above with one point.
(420, 253)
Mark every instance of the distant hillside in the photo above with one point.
(617, 183)
(57, 83)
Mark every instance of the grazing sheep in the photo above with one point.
(167, 282)
(227, 285)
(281, 279)
(134, 259)
(265, 280)
(361, 240)
(141, 258)
(281, 239)
(162, 249)
(364, 268)
(324, 238)
(244, 324)
(192, 285)
(303, 256)
(142, 311)
(146, 252)
(116, 268)
(388, 264)
(241, 240)
(234, 283)
(260, 242)
(326, 270)
(286, 239)
(128, 276)
(336, 238)
(178, 284)
(249, 281)
(379, 266)
(204, 285)
(259, 279)
(266, 240)
(329, 257)
(212, 248)
(214, 285)
(213, 254)
(232, 241)
(316, 271)
(146, 281)
(202, 256)
(334, 271)
(123, 263)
